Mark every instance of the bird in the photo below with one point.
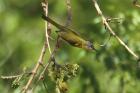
(70, 36)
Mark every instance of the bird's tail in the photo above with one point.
(52, 22)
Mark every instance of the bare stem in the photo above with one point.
(40, 61)
(68, 22)
(50, 59)
(111, 31)
(46, 44)
(47, 25)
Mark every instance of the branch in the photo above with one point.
(40, 61)
(47, 33)
(111, 31)
(50, 60)
(47, 25)
(57, 44)
(46, 44)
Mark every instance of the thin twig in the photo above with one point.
(50, 59)
(47, 24)
(68, 22)
(40, 61)
(111, 31)
(69, 17)
(10, 77)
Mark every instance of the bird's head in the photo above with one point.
(89, 46)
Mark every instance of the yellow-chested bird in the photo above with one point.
(70, 36)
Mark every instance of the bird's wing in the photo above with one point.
(75, 32)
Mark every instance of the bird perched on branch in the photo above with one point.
(70, 36)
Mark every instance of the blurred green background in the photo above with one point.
(111, 70)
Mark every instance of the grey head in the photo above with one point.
(90, 46)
